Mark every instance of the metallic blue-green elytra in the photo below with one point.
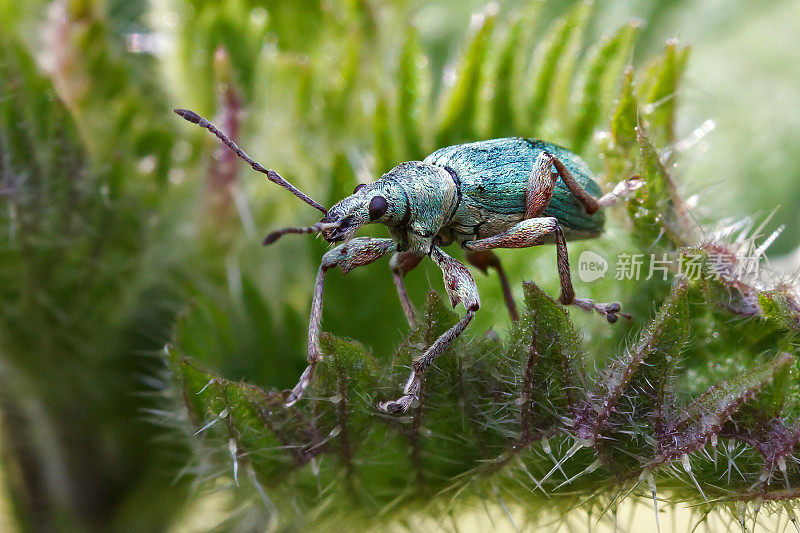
(494, 175)
(466, 192)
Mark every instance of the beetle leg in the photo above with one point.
(531, 232)
(610, 311)
(527, 233)
(357, 252)
(542, 181)
(623, 190)
(401, 264)
(485, 259)
(461, 288)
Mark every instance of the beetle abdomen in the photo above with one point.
(494, 175)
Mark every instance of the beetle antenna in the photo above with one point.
(316, 228)
(272, 176)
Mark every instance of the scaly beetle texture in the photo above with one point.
(501, 193)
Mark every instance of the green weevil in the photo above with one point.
(502, 193)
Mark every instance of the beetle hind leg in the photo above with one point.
(622, 191)
(531, 232)
(611, 311)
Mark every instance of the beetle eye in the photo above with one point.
(358, 188)
(377, 207)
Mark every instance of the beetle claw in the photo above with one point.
(612, 312)
(399, 406)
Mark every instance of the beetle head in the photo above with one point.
(414, 200)
(379, 202)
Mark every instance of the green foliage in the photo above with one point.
(603, 72)
(121, 231)
(501, 405)
(460, 101)
(75, 287)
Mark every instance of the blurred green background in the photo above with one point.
(123, 227)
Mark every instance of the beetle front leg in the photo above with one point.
(358, 252)
(531, 232)
(401, 264)
(461, 288)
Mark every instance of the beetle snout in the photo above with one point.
(343, 219)
(337, 230)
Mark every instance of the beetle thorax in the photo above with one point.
(432, 198)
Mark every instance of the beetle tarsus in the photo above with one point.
(302, 384)
(410, 391)
(398, 406)
(611, 311)
(622, 191)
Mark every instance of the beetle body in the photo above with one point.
(466, 192)
(493, 177)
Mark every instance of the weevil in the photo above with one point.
(502, 193)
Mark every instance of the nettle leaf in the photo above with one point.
(503, 82)
(562, 98)
(413, 105)
(781, 307)
(617, 160)
(246, 419)
(602, 72)
(346, 369)
(458, 108)
(546, 63)
(660, 88)
(626, 114)
(727, 276)
(557, 371)
(657, 210)
(638, 385)
(706, 414)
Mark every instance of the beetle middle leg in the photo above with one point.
(532, 232)
(483, 261)
(355, 253)
(461, 288)
(401, 264)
